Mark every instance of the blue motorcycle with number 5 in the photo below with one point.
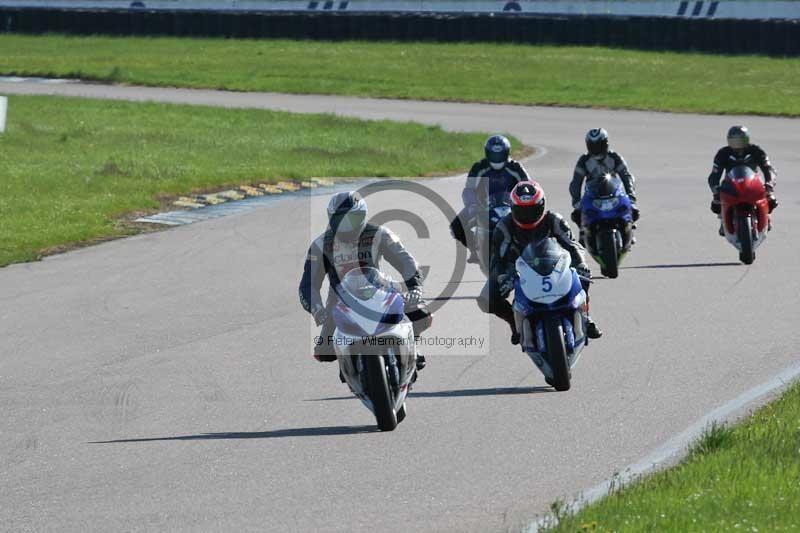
(551, 311)
(607, 223)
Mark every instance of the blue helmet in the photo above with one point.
(347, 214)
(497, 149)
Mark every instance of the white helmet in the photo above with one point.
(347, 214)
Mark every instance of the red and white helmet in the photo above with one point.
(528, 204)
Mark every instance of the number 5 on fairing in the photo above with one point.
(547, 285)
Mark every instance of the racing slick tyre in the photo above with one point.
(379, 392)
(744, 232)
(557, 353)
(608, 253)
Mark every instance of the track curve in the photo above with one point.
(165, 381)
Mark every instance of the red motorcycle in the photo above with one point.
(745, 210)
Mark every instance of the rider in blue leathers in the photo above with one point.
(495, 174)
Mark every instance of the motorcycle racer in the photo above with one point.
(350, 242)
(495, 174)
(528, 222)
(740, 151)
(598, 161)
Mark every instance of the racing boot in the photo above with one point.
(322, 357)
(592, 331)
(420, 362)
(508, 316)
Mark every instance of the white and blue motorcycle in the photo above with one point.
(551, 310)
(374, 343)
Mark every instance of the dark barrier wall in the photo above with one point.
(771, 37)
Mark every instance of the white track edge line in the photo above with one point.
(677, 445)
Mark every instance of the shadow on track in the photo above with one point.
(480, 392)
(456, 393)
(278, 433)
(686, 265)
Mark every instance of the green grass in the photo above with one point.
(503, 73)
(740, 478)
(71, 167)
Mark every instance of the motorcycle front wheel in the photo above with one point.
(608, 253)
(557, 353)
(379, 392)
(744, 232)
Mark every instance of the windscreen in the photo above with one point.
(363, 283)
(543, 257)
(741, 172)
(606, 186)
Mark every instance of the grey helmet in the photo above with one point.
(497, 149)
(597, 142)
(738, 138)
(347, 214)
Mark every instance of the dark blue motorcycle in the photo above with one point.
(607, 223)
(498, 205)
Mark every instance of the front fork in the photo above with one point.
(588, 234)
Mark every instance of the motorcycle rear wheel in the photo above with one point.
(379, 392)
(744, 232)
(557, 353)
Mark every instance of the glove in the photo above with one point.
(583, 271)
(414, 297)
(716, 207)
(576, 216)
(320, 316)
(506, 284)
(635, 213)
(773, 202)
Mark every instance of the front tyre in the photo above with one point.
(744, 232)
(608, 253)
(557, 353)
(379, 393)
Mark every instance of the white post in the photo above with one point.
(3, 108)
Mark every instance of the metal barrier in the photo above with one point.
(729, 36)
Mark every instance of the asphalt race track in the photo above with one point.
(165, 381)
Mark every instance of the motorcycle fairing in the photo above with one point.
(742, 192)
(572, 299)
(369, 317)
(606, 201)
(544, 288)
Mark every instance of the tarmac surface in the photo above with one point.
(165, 381)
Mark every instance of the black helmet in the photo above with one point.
(528, 204)
(738, 138)
(597, 142)
(497, 149)
(347, 214)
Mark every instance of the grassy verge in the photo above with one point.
(740, 478)
(72, 167)
(518, 74)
